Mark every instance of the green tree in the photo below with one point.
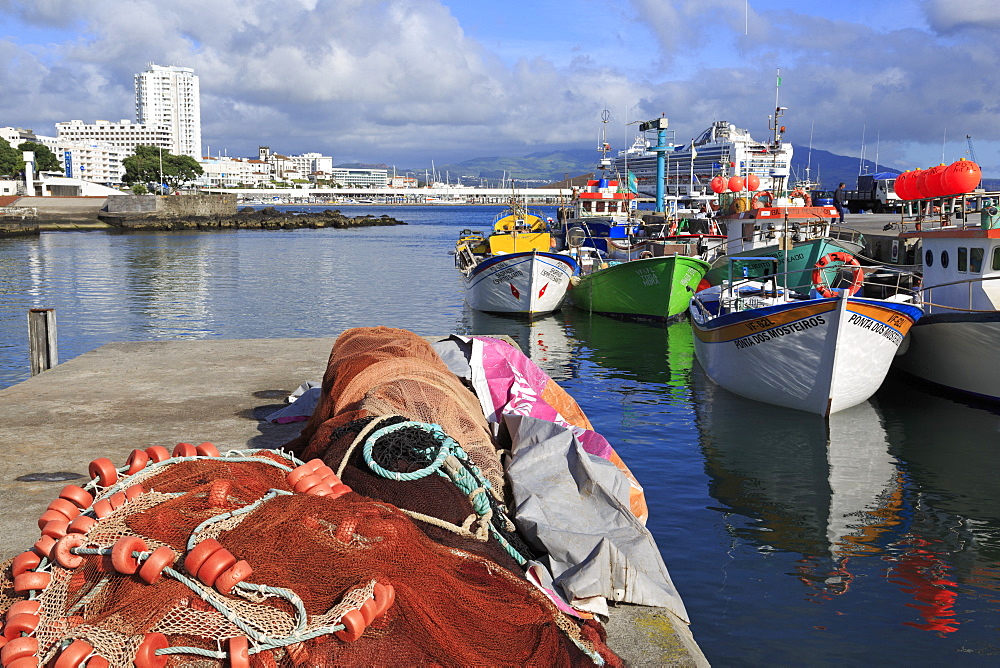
(45, 159)
(149, 163)
(11, 163)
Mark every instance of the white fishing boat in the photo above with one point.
(957, 343)
(819, 353)
(512, 270)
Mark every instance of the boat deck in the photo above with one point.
(133, 395)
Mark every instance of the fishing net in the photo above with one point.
(381, 538)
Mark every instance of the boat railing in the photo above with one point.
(742, 292)
(951, 211)
(970, 284)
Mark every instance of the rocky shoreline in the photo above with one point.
(267, 218)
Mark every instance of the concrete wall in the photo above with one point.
(173, 206)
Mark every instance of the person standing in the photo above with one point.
(840, 201)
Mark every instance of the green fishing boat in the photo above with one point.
(654, 288)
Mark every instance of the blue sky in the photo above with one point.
(405, 82)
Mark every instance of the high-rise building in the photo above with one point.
(168, 95)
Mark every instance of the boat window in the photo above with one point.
(929, 259)
(976, 260)
(944, 259)
(996, 258)
(963, 259)
(600, 207)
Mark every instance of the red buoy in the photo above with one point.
(961, 177)
(736, 183)
(753, 182)
(718, 184)
(934, 186)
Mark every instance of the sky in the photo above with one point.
(407, 82)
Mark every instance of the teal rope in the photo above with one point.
(465, 480)
(435, 430)
(272, 493)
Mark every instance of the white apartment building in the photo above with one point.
(90, 161)
(226, 172)
(123, 135)
(171, 96)
(360, 178)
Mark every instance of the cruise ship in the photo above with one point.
(721, 149)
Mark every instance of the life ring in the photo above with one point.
(846, 259)
(802, 194)
(755, 202)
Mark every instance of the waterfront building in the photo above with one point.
(226, 172)
(349, 177)
(170, 96)
(92, 161)
(124, 134)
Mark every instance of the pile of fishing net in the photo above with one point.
(384, 535)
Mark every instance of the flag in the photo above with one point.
(779, 81)
(633, 183)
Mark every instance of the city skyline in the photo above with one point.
(405, 82)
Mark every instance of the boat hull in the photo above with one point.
(530, 283)
(815, 355)
(655, 288)
(801, 259)
(957, 351)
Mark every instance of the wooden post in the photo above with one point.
(42, 340)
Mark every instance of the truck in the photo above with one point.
(874, 193)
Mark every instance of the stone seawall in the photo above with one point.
(247, 218)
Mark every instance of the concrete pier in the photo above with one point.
(123, 396)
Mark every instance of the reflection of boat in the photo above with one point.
(826, 489)
(511, 270)
(819, 355)
(542, 339)
(957, 344)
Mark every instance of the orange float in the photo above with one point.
(63, 554)
(32, 581)
(232, 576)
(121, 554)
(146, 656)
(735, 183)
(215, 565)
(82, 524)
(207, 449)
(104, 470)
(137, 461)
(934, 186)
(753, 182)
(152, 567)
(66, 507)
(26, 561)
(158, 453)
(24, 622)
(184, 450)
(354, 626)
(718, 184)
(202, 551)
(74, 654)
(76, 495)
(961, 176)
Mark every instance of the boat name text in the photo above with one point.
(553, 274)
(648, 276)
(876, 327)
(505, 275)
(778, 332)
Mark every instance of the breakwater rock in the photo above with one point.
(268, 218)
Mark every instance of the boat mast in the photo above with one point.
(777, 130)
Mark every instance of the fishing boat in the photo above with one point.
(512, 269)
(648, 288)
(820, 352)
(786, 227)
(955, 344)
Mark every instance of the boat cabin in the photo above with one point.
(961, 267)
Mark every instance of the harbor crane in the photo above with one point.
(972, 151)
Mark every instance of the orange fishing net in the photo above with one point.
(261, 558)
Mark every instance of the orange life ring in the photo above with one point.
(755, 202)
(819, 283)
(799, 192)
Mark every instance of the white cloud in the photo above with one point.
(951, 16)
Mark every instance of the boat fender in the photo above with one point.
(818, 279)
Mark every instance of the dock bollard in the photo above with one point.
(42, 340)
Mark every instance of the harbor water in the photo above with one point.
(871, 538)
